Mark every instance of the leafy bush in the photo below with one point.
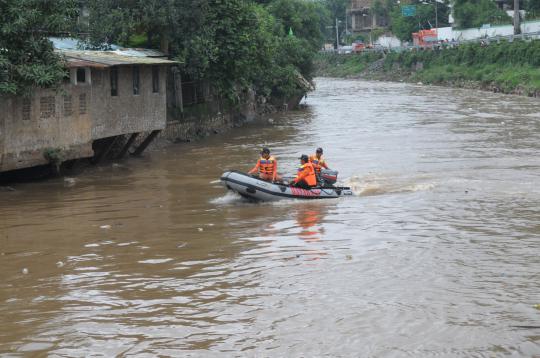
(27, 57)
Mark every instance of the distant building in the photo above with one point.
(363, 19)
(107, 94)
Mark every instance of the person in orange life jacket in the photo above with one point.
(305, 178)
(266, 166)
(318, 161)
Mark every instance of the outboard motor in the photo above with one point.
(328, 176)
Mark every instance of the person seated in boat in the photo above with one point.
(318, 161)
(305, 178)
(266, 166)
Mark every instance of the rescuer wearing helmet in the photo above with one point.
(318, 161)
(305, 178)
(266, 166)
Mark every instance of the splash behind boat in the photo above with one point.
(255, 189)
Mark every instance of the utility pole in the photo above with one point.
(346, 27)
(337, 35)
(436, 16)
(436, 19)
(517, 29)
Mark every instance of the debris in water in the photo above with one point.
(59, 264)
(6, 188)
(106, 227)
(348, 257)
(69, 181)
(25, 271)
(270, 120)
(537, 306)
(200, 229)
(419, 83)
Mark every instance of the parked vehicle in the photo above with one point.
(358, 46)
(345, 49)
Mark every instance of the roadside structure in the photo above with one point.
(363, 18)
(107, 96)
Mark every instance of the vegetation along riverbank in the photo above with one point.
(507, 67)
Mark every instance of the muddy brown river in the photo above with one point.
(437, 254)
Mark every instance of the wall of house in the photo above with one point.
(126, 112)
(48, 119)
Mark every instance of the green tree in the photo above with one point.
(475, 13)
(118, 20)
(425, 18)
(303, 17)
(532, 7)
(27, 57)
(335, 9)
(234, 44)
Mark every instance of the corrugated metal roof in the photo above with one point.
(113, 58)
(73, 62)
(70, 43)
(140, 52)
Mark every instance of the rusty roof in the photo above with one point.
(73, 62)
(109, 58)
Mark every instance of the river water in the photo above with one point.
(437, 254)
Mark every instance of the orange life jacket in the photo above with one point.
(267, 166)
(317, 163)
(306, 172)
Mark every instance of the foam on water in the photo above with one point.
(229, 198)
(379, 185)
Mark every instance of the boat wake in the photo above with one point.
(229, 198)
(372, 184)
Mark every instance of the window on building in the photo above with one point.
(155, 79)
(136, 80)
(81, 75)
(82, 103)
(26, 109)
(114, 81)
(47, 107)
(68, 106)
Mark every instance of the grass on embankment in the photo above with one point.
(332, 65)
(501, 67)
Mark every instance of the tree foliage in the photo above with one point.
(475, 13)
(235, 44)
(333, 9)
(425, 18)
(27, 57)
(532, 8)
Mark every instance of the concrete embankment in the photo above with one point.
(504, 67)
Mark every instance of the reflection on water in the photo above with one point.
(309, 220)
(437, 254)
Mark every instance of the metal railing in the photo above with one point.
(444, 43)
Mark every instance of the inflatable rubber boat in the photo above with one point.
(260, 190)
